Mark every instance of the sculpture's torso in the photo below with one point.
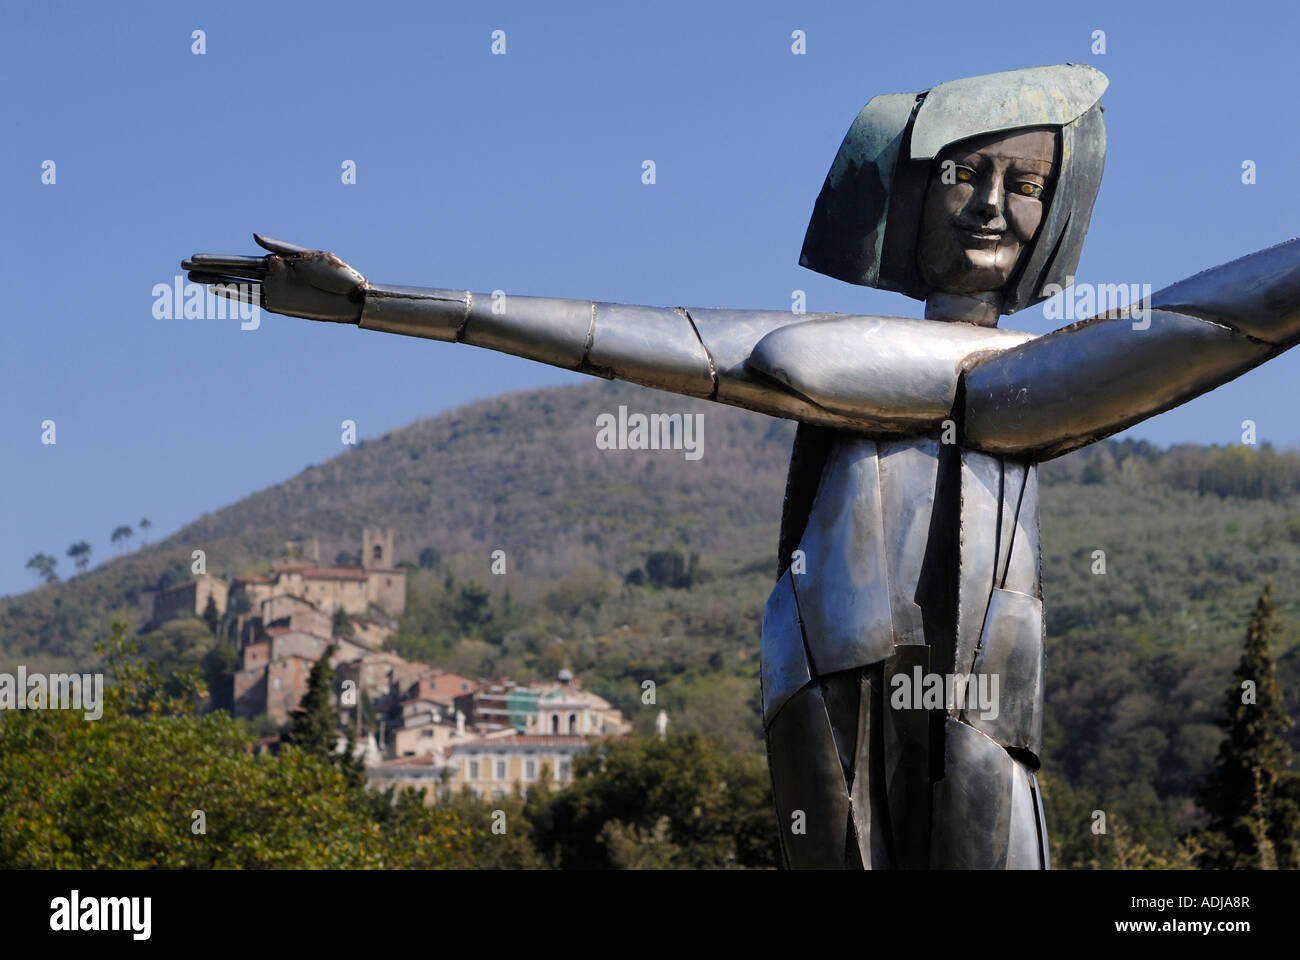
(905, 558)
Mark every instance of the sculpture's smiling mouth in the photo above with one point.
(979, 236)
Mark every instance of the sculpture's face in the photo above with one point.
(983, 206)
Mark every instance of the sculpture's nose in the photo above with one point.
(988, 203)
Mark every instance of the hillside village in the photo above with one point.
(436, 729)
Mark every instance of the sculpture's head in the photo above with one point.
(979, 189)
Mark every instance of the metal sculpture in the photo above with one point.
(909, 550)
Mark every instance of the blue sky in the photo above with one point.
(520, 172)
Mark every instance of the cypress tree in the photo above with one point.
(210, 614)
(1252, 795)
(314, 722)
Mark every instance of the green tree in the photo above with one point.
(144, 526)
(121, 536)
(152, 784)
(80, 554)
(210, 615)
(342, 626)
(472, 608)
(666, 568)
(314, 724)
(693, 803)
(43, 565)
(1251, 795)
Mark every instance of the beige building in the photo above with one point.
(424, 737)
(383, 676)
(492, 767)
(565, 708)
(295, 613)
(355, 590)
(442, 688)
(428, 771)
(270, 672)
(275, 688)
(188, 599)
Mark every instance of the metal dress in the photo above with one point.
(865, 773)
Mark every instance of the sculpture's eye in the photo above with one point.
(1027, 189)
(963, 175)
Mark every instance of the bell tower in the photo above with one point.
(377, 547)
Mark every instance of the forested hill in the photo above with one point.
(520, 472)
(1138, 656)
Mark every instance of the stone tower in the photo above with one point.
(377, 547)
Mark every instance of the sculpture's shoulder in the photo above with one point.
(886, 369)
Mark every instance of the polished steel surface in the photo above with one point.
(1011, 649)
(880, 370)
(1044, 849)
(1038, 96)
(905, 744)
(868, 797)
(1024, 849)
(973, 802)
(415, 312)
(651, 346)
(981, 503)
(784, 664)
(1258, 294)
(844, 596)
(846, 235)
(1092, 379)
(1024, 559)
(557, 331)
(908, 474)
(808, 783)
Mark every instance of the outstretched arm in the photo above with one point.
(863, 373)
(1094, 378)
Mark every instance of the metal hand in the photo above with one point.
(291, 280)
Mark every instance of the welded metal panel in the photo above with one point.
(1054, 256)
(1258, 294)
(414, 311)
(908, 473)
(1037, 96)
(1011, 648)
(971, 822)
(847, 229)
(906, 742)
(842, 694)
(870, 804)
(1023, 852)
(808, 783)
(981, 494)
(844, 595)
(784, 663)
(730, 337)
(653, 346)
(883, 369)
(552, 331)
(1022, 572)
(1013, 484)
(1087, 381)
(1044, 849)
